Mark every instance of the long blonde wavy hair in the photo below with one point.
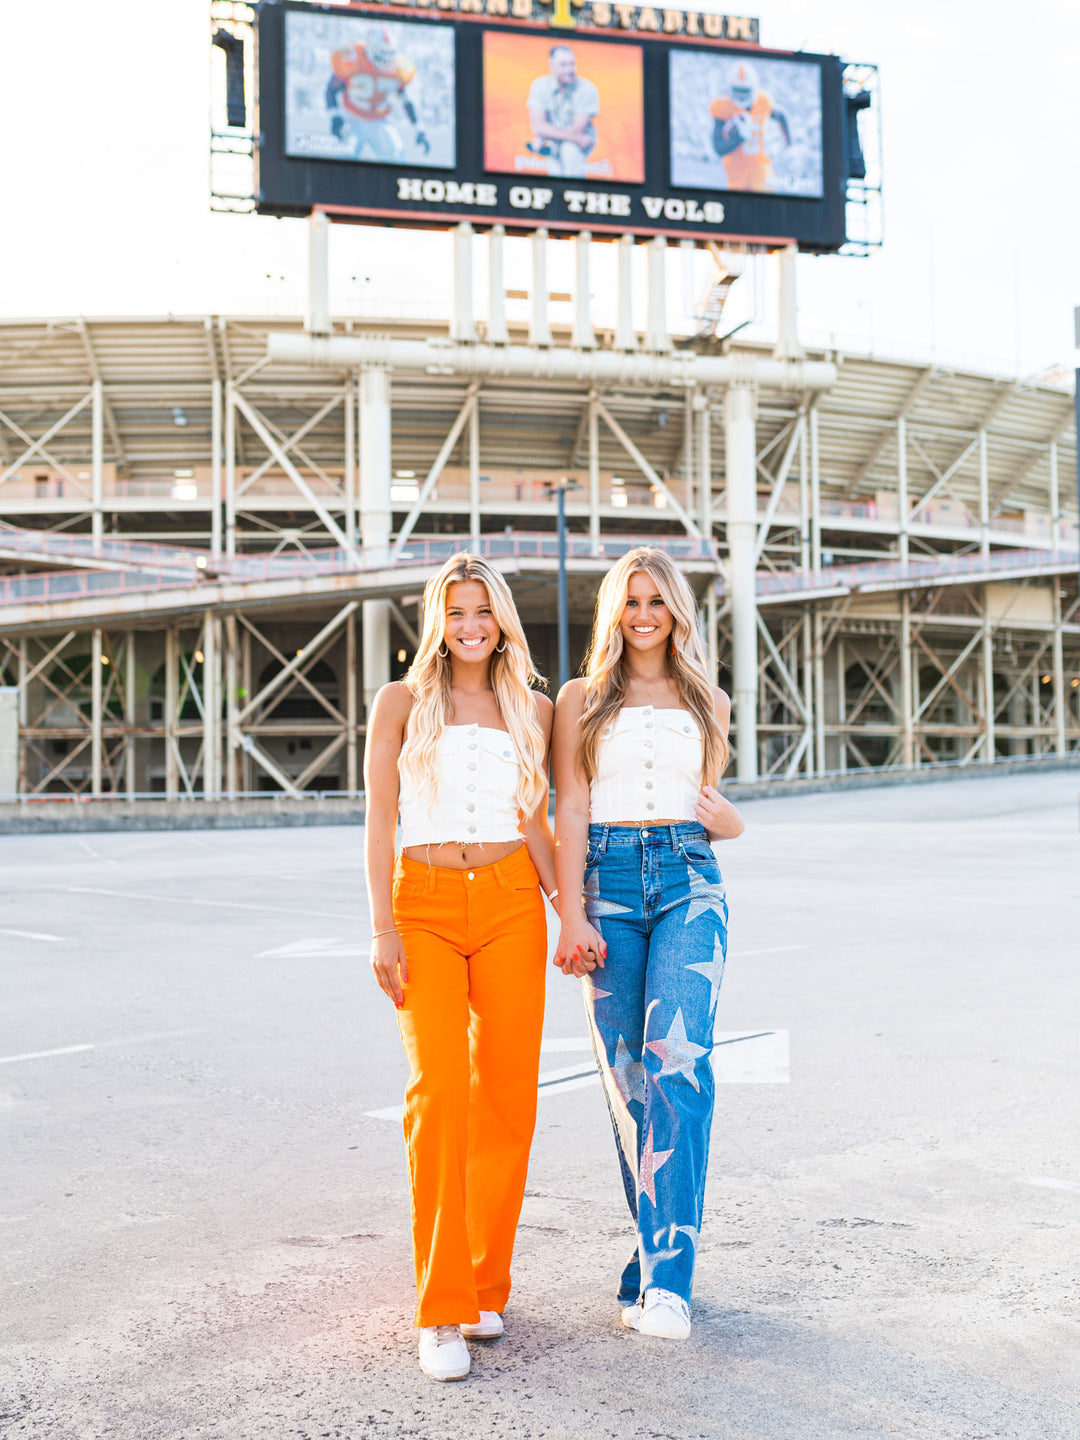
(512, 674)
(605, 670)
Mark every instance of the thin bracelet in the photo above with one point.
(376, 933)
(553, 894)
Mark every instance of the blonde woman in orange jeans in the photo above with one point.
(459, 940)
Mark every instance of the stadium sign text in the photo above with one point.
(597, 14)
(577, 202)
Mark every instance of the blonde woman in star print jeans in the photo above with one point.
(639, 744)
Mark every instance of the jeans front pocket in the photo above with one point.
(697, 851)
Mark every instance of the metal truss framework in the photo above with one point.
(185, 433)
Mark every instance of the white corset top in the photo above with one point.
(648, 767)
(476, 802)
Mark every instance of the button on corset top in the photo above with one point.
(476, 803)
(648, 767)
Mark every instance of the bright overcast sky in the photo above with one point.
(103, 114)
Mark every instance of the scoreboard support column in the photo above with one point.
(584, 338)
(462, 325)
(497, 333)
(625, 334)
(656, 336)
(539, 325)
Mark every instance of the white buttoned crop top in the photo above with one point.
(476, 802)
(648, 766)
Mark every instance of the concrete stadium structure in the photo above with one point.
(214, 531)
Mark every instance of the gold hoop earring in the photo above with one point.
(443, 652)
(501, 648)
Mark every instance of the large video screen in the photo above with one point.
(383, 114)
(570, 109)
(368, 90)
(742, 124)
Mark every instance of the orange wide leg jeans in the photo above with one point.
(476, 947)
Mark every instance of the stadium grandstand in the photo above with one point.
(214, 532)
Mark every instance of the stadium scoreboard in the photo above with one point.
(617, 119)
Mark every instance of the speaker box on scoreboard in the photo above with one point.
(627, 120)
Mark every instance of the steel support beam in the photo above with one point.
(257, 423)
(987, 676)
(739, 418)
(689, 523)
(375, 519)
(446, 449)
(474, 472)
(216, 476)
(350, 461)
(907, 718)
(130, 680)
(1060, 696)
(352, 770)
(97, 462)
(594, 472)
(96, 713)
(211, 698)
(232, 740)
(533, 362)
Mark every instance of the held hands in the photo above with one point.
(719, 816)
(389, 967)
(581, 948)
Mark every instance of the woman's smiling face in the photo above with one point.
(471, 631)
(646, 621)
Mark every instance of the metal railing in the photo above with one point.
(852, 577)
(138, 553)
(197, 567)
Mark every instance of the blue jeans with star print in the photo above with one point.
(655, 894)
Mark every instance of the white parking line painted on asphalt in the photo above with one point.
(145, 1039)
(752, 1057)
(44, 1054)
(1049, 1183)
(741, 1057)
(314, 950)
(215, 904)
(31, 935)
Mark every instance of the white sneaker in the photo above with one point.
(488, 1327)
(660, 1313)
(443, 1353)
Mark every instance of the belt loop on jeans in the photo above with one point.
(498, 870)
(432, 879)
(602, 848)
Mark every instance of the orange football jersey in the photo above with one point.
(369, 90)
(747, 167)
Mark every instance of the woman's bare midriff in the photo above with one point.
(452, 856)
(641, 824)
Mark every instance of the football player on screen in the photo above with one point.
(368, 77)
(563, 107)
(740, 121)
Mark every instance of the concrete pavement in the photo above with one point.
(203, 1233)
